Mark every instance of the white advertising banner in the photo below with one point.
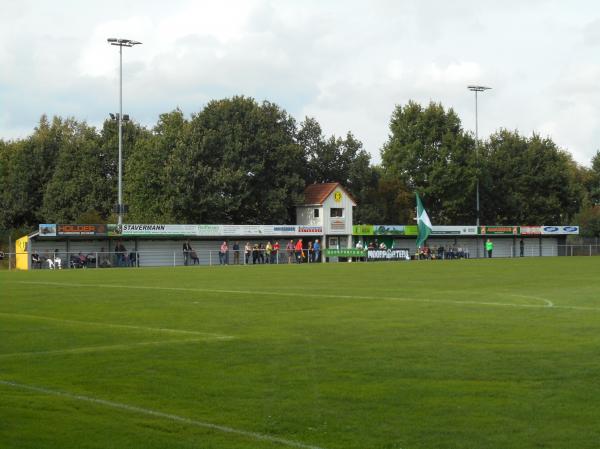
(156, 229)
(531, 230)
(560, 230)
(167, 230)
(454, 230)
(242, 230)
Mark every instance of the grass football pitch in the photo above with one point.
(418, 355)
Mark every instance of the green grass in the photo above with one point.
(458, 354)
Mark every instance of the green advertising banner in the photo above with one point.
(411, 230)
(345, 252)
(363, 229)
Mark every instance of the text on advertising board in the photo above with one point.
(73, 229)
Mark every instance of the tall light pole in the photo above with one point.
(477, 89)
(121, 43)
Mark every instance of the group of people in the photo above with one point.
(372, 245)
(79, 260)
(450, 253)
(53, 260)
(261, 253)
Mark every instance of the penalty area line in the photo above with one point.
(118, 326)
(159, 414)
(107, 348)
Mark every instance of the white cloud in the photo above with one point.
(345, 63)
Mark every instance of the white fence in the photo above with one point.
(579, 250)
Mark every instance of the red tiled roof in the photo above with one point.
(318, 193)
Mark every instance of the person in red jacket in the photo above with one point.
(298, 249)
(275, 253)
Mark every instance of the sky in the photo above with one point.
(346, 63)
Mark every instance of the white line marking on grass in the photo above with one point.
(314, 295)
(117, 347)
(159, 414)
(475, 303)
(117, 326)
(539, 298)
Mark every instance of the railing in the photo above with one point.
(579, 250)
(98, 259)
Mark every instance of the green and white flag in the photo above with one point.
(423, 223)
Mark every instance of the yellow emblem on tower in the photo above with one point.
(337, 196)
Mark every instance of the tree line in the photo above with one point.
(241, 161)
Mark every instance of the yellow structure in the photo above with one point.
(22, 250)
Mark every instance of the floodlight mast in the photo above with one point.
(121, 43)
(477, 89)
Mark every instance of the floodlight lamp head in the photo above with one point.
(122, 42)
(478, 88)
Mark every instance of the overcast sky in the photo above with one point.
(346, 63)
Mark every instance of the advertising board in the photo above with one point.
(75, 230)
(47, 230)
(388, 254)
(454, 230)
(560, 230)
(499, 230)
(531, 230)
(344, 252)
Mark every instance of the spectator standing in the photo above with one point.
(290, 250)
(236, 253)
(223, 254)
(275, 253)
(187, 249)
(268, 251)
(521, 248)
(133, 259)
(261, 253)
(120, 253)
(489, 247)
(299, 251)
(247, 252)
(310, 252)
(317, 251)
(255, 251)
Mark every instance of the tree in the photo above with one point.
(239, 164)
(29, 166)
(589, 178)
(109, 158)
(528, 181)
(78, 187)
(589, 221)
(149, 186)
(335, 159)
(429, 152)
